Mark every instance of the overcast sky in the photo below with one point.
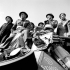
(36, 9)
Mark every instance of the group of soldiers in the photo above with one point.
(30, 30)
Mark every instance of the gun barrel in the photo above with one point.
(56, 37)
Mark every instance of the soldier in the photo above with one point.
(41, 24)
(22, 21)
(5, 29)
(50, 20)
(62, 27)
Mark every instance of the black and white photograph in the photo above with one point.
(35, 34)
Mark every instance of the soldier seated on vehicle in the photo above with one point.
(39, 27)
(23, 19)
(22, 22)
(5, 29)
(62, 27)
(50, 20)
(41, 24)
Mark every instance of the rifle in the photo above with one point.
(61, 38)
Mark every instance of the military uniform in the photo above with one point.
(5, 31)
